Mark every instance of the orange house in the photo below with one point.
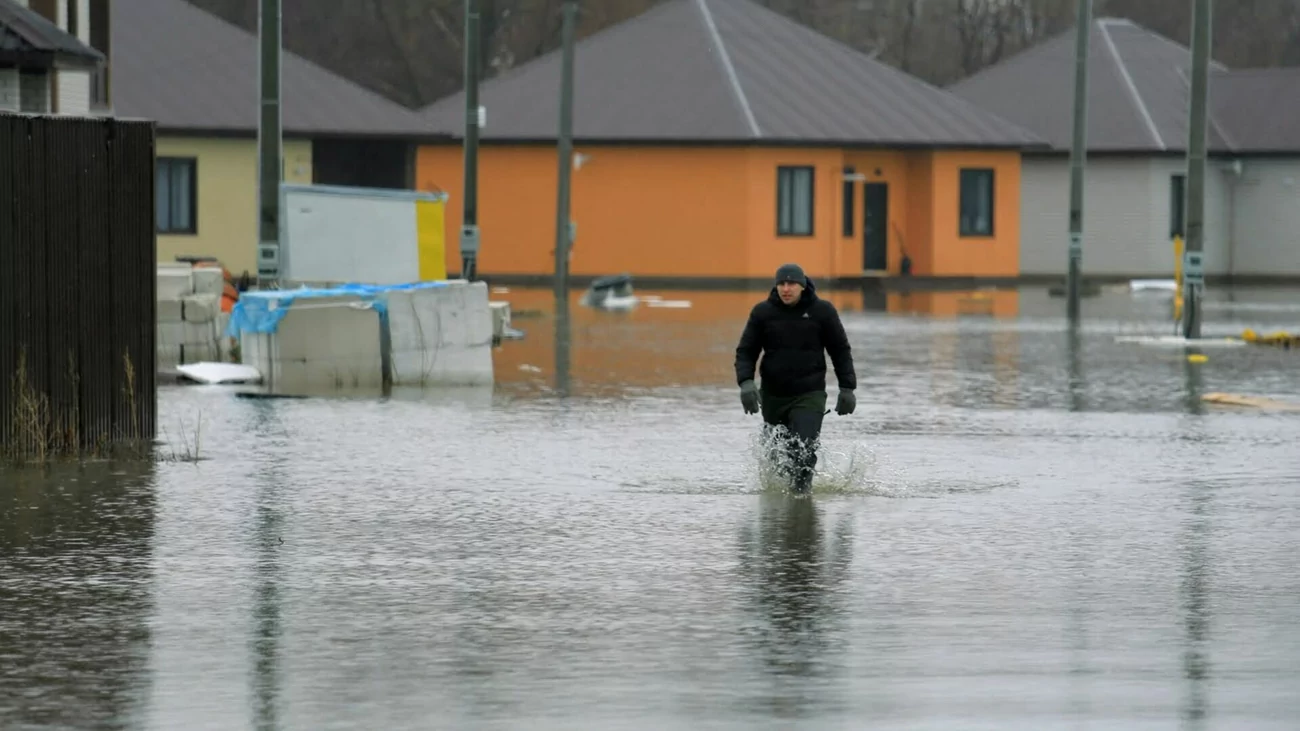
(715, 140)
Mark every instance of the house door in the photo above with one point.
(875, 226)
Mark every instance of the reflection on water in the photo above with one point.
(796, 568)
(1053, 531)
(76, 596)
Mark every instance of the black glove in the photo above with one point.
(846, 403)
(749, 397)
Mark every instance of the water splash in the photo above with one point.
(843, 467)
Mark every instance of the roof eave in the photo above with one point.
(756, 142)
(180, 130)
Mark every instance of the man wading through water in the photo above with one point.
(792, 328)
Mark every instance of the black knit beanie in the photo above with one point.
(791, 273)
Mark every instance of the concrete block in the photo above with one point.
(171, 311)
(322, 345)
(209, 281)
(174, 283)
(170, 333)
(201, 307)
(170, 356)
(201, 332)
(441, 336)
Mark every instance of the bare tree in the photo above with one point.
(412, 50)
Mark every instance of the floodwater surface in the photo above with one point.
(1020, 528)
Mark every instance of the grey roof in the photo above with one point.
(1138, 84)
(726, 70)
(190, 70)
(26, 37)
(1258, 110)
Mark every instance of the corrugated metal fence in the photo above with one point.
(77, 285)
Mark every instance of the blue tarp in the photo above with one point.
(261, 311)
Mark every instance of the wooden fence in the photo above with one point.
(78, 277)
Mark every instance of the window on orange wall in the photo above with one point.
(975, 208)
(794, 200)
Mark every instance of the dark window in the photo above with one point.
(175, 195)
(74, 22)
(794, 201)
(849, 198)
(976, 207)
(1177, 205)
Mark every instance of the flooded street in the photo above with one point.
(1017, 529)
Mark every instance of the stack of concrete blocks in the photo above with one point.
(332, 344)
(441, 336)
(322, 345)
(190, 320)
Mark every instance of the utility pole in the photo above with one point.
(469, 234)
(563, 226)
(270, 166)
(1193, 271)
(1078, 154)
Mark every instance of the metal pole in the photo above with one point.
(469, 233)
(1193, 272)
(563, 347)
(270, 166)
(1078, 154)
(563, 228)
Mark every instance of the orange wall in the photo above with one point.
(998, 255)
(648, 211)
(711, 212)
(920, 212)
(816, 253)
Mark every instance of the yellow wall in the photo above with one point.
(227, 197)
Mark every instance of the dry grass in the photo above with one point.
(41, 434)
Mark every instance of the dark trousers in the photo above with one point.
(801, 416)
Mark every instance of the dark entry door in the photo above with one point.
(875, 226)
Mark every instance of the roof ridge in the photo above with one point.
(1209, 112)
(1127, 78)
(728, 69)
(520, 68)
(890, 69)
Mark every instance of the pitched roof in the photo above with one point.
(27, 37)
(190, 70)
(1138, 84)
(1258, 110)
(725, 70)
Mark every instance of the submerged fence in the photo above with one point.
(77, 285)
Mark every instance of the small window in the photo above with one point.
(849, 199)
(794, 201)
(1177, 206)
(976, 207)
(174, 195)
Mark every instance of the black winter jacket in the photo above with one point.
(792, 339)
